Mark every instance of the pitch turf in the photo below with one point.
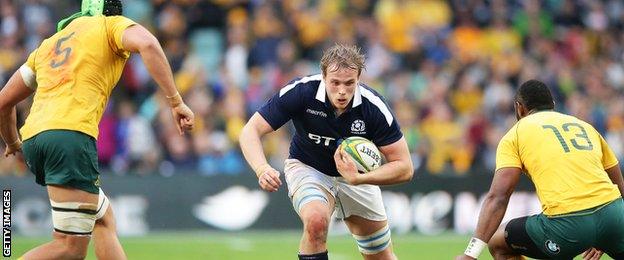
(264, 245)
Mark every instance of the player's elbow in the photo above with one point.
(148, 44)
(5, 107)
(407, 172)
(248, 131)
(498, 198)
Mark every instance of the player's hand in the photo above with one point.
(183, 117)
(269, 179)
(463, 257)
(346, 167)
(13, 148)
(592, 254)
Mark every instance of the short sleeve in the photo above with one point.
(507, 152)
(282, 106)
(115, 27)
(30, 62)
(608, 157)
(385, 133)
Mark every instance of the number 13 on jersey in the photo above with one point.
(581, 142)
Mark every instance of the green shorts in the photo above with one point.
(63, 157)
(566, 236)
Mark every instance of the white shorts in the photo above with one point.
(361, 200)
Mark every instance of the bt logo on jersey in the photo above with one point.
(318, 139)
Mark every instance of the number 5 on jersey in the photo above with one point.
(575, 141)
(58, 51)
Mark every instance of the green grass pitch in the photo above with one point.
(264, 245)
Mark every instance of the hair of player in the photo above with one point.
(112, 8)
(534, 94)
(342, 56)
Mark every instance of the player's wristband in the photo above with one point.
(174, 100)
(475, 247)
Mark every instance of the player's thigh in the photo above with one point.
(362, 200)
(514, 238)
(562, 237)
(58, 193)
(75, 212)
(610, 219)
(308, 188)
(63, 158)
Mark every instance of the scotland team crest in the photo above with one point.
(358, 127)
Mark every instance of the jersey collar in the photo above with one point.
(321, 94)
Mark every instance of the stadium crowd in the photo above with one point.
(449, 69)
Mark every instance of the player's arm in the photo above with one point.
(615, 174)
(13, 92)
(251, 145)
(398, 169)
(496, 200)
(610, 164)
(137, 39)
(493, 210)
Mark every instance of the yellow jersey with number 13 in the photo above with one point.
(565, 158)
(75, 71)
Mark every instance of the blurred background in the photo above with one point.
(449, 70)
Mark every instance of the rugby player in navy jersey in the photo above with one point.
(325, 109)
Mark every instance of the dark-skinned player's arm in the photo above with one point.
(137, 39)
(494, 207)
(12, 93)
(615, 174)
(611, 165)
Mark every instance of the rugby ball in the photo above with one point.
(363, 152)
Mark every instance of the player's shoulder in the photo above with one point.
(373, 102)
(302, 86)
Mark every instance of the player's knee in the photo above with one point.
(73, 246)
(315, 225)
(374, 243)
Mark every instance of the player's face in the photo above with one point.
(340, 84)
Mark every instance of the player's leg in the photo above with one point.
(610, 221)
(511, 241)
(66, 161)
(309, 191)
(362, 208)
(73, 217)
(105, 239)
(372, 237)
(499, 249)
(315, 216)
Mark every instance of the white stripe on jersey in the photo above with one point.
(378, 103)
(302, 80)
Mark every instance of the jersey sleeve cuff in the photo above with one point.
(28, 76)
(272, 123)
(498, 167)
(611, 165)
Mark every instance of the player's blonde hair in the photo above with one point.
(342, 56)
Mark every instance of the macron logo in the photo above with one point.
(316, 112)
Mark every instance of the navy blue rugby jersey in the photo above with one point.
(318, 130)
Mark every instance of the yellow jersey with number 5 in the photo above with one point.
(75, 71)
(565, 158)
